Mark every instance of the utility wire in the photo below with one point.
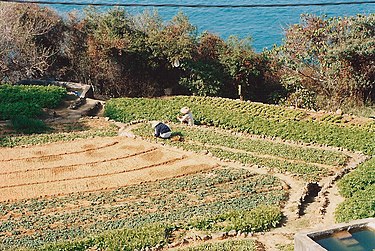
(190, 5)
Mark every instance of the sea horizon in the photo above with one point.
(265, 26)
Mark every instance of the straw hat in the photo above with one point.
(185, 110)
(154, 123)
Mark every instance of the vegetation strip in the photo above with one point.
(12, 141)
(237, 116)
(224, 151)
(239, 245)
(257, 155)
(210, 136)
(358, 187)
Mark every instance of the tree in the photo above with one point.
(332, 57)
(129, 55)
(30, 40)
(204, 73)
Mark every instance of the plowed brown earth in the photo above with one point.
(90, 165)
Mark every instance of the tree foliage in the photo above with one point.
(133, 55)
(331, 57)
(29, 41)
(121, 54)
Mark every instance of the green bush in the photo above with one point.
(44, 96)
(11, 110)
(362, 177)
(28, 125)
(360, 205)
(23, 104)
(258, 219)
(127, 239)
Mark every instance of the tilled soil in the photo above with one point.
(90, 165)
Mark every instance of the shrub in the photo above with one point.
(331, 57)
(258, 219)
(30, 42)
(360, 205)
(24, 109)
(362, 177)
(28, 125)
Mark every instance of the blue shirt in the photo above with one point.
(161, 128)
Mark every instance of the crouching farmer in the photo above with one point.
(161, 130)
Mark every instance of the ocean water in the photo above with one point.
(264, 25)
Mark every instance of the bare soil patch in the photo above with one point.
(90, 165)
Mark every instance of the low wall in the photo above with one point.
(85, 90)
(304, 241)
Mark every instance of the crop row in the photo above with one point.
(359, 206)
(34, 222)
(359, 189)
(35, 139)
(240, 116)
(359, 179)
(233, 245)
(230, 147)
(259, 146)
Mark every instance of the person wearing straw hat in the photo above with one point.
(187, 116)
(161, 130)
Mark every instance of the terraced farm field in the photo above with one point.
(63, 191)
(240, 177)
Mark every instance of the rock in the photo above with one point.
(219, 236)
(184, 241)
(206, 237)
(239, 233)
(339, 112)
(243, 235)
(173, 244)
(158, 247)
(232, 233)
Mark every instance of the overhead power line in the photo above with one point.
(191, 5)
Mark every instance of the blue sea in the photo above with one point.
(264, 25)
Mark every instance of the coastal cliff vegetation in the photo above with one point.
(323, 63)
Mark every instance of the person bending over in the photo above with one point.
(161, 130)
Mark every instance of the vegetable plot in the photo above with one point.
(253, 118)
(308, 163)
(222, 195)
